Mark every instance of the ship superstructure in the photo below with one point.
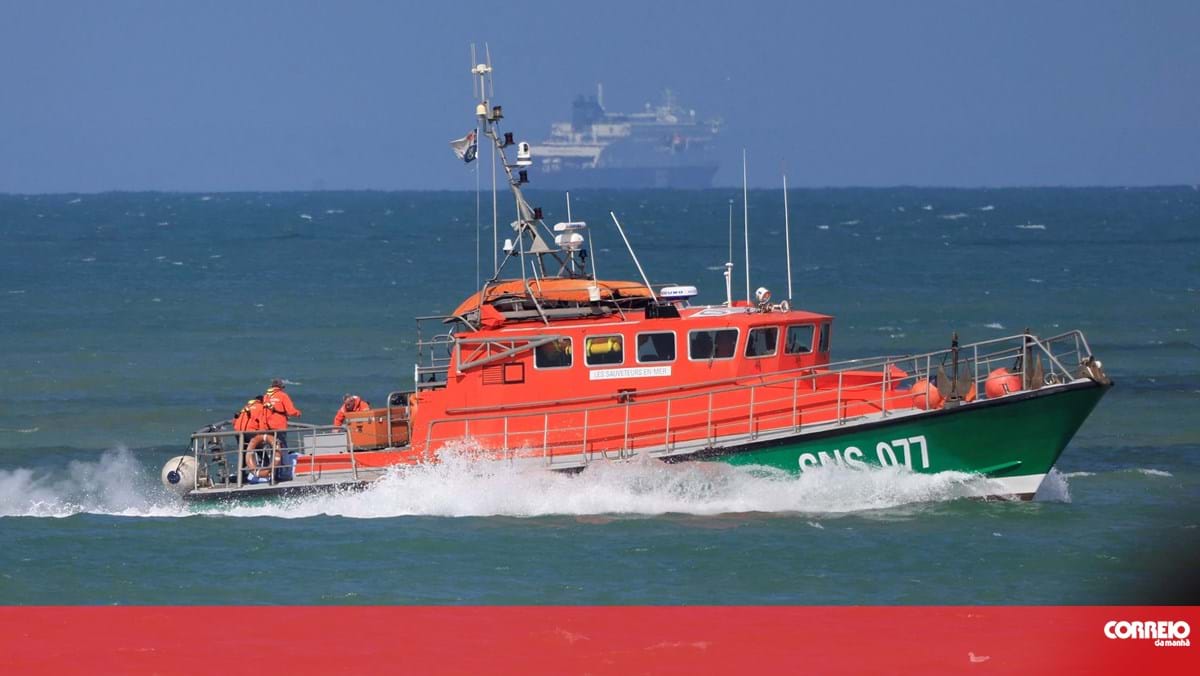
(663, 146)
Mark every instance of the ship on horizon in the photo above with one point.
(663, 146)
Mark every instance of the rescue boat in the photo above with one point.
(557, 370)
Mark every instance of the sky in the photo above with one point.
(269, 95)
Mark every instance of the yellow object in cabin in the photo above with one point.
(607, 345)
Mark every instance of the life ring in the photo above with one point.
(258, 442)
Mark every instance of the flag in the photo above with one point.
(465, 147)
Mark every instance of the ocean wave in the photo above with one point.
(117, 484)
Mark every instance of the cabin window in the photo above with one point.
(712, 344)
(652, 347)
(555, 355)
(604, 350)
(762, 341)
(824, 347)
(799, 339)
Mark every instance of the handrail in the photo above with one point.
(848, 397)
(805, 372)
(225, 448)
(292, 427)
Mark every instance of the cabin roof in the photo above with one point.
(689, 318)
(562, 290)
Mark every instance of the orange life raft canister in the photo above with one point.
(925, 396)
(1001, 382)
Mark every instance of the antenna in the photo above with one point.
(477, 264)
(746, 222)
(491, 84)
(787, 236)
(474, 82)
(495, 208)
(482, 87)
(730, 258)
(475, 92)
(495, 216)
(635, 258)
(729, 262)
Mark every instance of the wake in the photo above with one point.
(118, 484)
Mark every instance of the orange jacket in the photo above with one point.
(251, 418)
(279, 408)
(353, 405)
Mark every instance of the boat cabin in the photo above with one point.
(613, 348)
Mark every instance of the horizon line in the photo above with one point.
(791, 188)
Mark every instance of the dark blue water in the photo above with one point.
(129, 320)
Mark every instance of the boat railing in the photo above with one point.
(221, 453)
(790, 402)
(434, 353)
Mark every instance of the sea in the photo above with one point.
(129, 320)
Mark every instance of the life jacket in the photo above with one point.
(250, 418)
(279, 408)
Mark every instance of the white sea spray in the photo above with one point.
(462, 485)
(113, 483)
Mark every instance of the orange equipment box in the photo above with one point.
(369, 429)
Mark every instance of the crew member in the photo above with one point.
(279, 409)
(351, 403)
(252, 418)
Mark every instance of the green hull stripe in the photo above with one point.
(1026, 432)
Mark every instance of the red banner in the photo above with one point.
(597, 640)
